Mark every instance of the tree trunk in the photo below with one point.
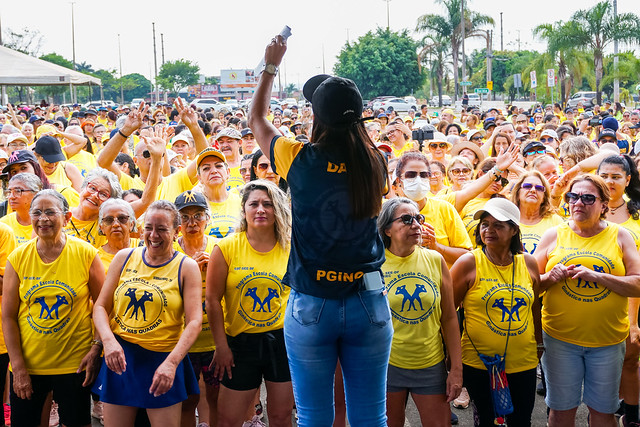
(562, 76)
(454, 55)
(597, 60)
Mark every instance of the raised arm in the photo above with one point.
(108, 154)
(157, 147)
(190, 119)
(262, 128)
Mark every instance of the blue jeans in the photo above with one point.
(356, 330)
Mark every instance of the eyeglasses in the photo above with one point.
(521, 121)
(441, 145)
(586, 199)
(502, 180)
(243, 171)
(16, 192)
(476, 138)
(408, 219)
(18, 144)
(263, 166)
(200, 216)
(122, 219)
(545, 140)
(414, 174)
(529, 186)
(459, 171)
(531, 153)
(161, 120)
(102, 195)
(49, 213)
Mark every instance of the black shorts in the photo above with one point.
(74, 401)
(201, 362)
(256, 356)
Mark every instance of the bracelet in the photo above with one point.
(540, 346)
(122, 134)
(96, 342)
(498, 170)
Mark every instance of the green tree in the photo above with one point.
(593, 30)
(58, 60)
(177, 75)
(290, 89)
(449, 26)
(211, 80)
(381, 62)
(433, 56)
(135, 85)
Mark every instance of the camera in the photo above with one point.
(595, 121)
(422, 134)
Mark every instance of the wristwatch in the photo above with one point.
(271, 69)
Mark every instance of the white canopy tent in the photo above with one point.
(19, 69)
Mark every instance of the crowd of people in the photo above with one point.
(160, 263)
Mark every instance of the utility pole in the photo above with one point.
(489, 61)
(73, 48)
(501, 34)
(155, 62)
(518, 39)
(462, 31)
(162, 46)
(388, 1)
(120, 58)
(616, 82)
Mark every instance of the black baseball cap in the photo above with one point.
(336, 101)
(49, 149)
(246, 131)
(533, 145)
(19, 156)
(191, 198)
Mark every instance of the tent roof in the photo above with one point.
(19, 69)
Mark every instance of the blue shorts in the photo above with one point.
(569, 367)
(132, 387)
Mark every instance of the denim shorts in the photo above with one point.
(426, 381)
(569, 368)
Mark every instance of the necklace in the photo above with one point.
(613, 210)
(486, 252)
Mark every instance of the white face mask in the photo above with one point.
(416, 189)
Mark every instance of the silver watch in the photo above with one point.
(271, 69)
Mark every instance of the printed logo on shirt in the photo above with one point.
(412, 297)
(584, 290)
(49, 303)
(530, 242)
(260, 301)
(221, 226)
(145, 303)
(506, 310)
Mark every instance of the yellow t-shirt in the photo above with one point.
(148, 309)
(448, 195)
(85, 230)
(84, 161)
(7, 245)
(59, 176)
(255, 298)
(406, 147)
(224, 216)
(633, 227)
(531, 234)
(449, 227)
(69, 193)
(127, 182)
(204, 342)
(467, 214)
(106, 257)
(235, 178)
(414, 290)
(175, 184)
(54, 316)
(581, 312)
(500, 301)
(21, 233)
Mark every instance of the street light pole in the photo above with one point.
(501, 34)
(462, 31)
(155, 62)
(73, 48)
(120, 58)
(388, 1)
(616, 81)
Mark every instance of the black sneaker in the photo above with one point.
(541, 390)
(454, 419)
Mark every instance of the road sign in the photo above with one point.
(534, 79)
(551, 77)
(517, 80)
(465, 83)
(481, 90)
(490, 84)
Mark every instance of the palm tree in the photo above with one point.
(432, 54)
(593, 30)
(449, 26)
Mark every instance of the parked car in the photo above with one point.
(587, 99)
(474, 100)
(96, 104)
(135, 102)
(208, 103)
(446, 100)
(398, 104)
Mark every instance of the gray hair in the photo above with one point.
(387, 215)
(121, 204)
(110, 177)
(32, 181)
(63, 204)
(164, 205)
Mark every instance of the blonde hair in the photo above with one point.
(280, 207)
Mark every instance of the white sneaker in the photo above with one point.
(462, 401)
(254, 422)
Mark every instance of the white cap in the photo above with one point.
(501, 209)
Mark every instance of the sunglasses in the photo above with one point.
(586, 199)
(441, 145)
(459, 171)
(414, 174)
(122, 219)
(531, 153)
(544, 140)
(263, 166)
(529, 186)
(146, 154)
(502, 180)
(408, 219)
